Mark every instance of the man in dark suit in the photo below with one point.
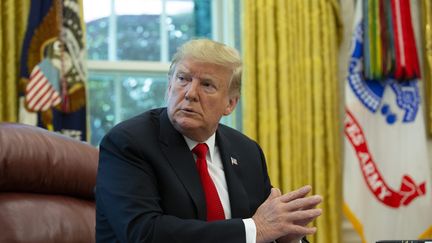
(176, 175)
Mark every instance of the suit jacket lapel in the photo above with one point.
(238, 197)
(182, 162)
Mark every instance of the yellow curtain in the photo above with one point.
(13, 22)
(291, 98)
(427, 58)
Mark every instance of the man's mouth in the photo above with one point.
(188, 110)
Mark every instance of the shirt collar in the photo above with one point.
(210, 143)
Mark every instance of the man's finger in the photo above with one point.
(299, 193)
(302, 230)
(311, 206)
(304, 215)
(303, 203)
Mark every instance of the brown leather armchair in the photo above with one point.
(46, 186)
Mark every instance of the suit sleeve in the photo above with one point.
(128, 200)
(266, 182)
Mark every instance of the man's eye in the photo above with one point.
(181, 79)
(209, 87)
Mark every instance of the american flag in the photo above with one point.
(40, 94)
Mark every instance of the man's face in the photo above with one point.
(198, 96)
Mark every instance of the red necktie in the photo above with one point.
(214, 206)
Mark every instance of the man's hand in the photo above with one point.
(285, 217)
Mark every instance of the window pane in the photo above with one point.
(141, 93)
(194, 21)
(135, 27)
(96, 15)
(138, 37)
(101, 106)
(118, 96)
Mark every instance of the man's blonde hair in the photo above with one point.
(209, 51)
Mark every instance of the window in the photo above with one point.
(130, 44)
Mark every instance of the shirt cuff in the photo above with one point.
(250, 230)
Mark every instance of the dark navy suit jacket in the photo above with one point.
(148, 188)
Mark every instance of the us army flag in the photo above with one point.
(387, 183)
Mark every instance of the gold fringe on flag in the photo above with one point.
(426, 27)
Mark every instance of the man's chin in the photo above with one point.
(193, 130)
(185, 124)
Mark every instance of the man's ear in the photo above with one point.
(168, 90)
(169, 84)
(232, 103)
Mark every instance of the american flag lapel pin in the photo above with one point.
(234, 161)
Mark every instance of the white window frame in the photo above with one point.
(222, 31)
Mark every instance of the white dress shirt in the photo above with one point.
(216, 171)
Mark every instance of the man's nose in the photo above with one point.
(192, 90)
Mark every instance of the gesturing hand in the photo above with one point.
(286, 216)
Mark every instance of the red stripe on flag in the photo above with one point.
(43, 98)
(40, 94)
(38, 84)
(36, 72)
(34, 93)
